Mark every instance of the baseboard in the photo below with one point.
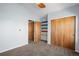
(77, 51)
(12, 48)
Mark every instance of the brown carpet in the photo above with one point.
(41, 49)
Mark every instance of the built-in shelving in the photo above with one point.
(44, 22)
(44, 30)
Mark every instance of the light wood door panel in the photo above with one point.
(63, 32)
(37, 32)
(53, 29)
(69, 32)
(57, 32)
(31, 30)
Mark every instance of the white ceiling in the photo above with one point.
(53, 7)
(50, 7)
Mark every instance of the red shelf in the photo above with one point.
(44, 31)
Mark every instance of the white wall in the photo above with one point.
(72, 11)
(12, 18)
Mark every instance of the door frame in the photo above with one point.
(28, 30)
(75, 30)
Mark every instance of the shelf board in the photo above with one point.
(44, 31)
(44, 21)
(44, 25)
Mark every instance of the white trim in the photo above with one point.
(49, 31)
(12, 48)
(76, 38)
(77, 51)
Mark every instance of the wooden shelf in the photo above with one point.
(44, 31)
(44, 25)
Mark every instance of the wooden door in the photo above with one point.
(57, 32)
(31, 30)
(37, 32)
(63, 32)
(69, 32)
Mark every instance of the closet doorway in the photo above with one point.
(63, 32)
(34, 32)
(37, 32)
(31, 31)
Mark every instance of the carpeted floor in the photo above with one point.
(41, 49)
